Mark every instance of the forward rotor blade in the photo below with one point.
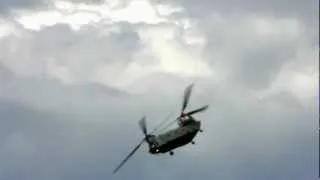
(186, 97)
(198, 110)
(126, 159)
(143, 125)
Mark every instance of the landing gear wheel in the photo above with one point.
(192, 142)
(171, 153)
(201, 130)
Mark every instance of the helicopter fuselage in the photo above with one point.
(173, 139)
(188, 127)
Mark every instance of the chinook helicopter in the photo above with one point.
(187, 129)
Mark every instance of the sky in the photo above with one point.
(77, 75)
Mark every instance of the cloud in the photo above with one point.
(84, 132)
(305, 12)
(247, 50)
(73, 88)
(275, 8)
(9, 6)
(68, 57)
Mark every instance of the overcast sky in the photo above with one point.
(77, 75)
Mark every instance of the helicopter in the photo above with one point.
(187, 129)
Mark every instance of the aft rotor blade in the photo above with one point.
(126, 159)
(186, 97)
(198, 110)
(162, 123)
(143, 125)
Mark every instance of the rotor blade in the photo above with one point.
(186, 97)
(126, 159)
(143, 125)
(198, 110)
(162, 123)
